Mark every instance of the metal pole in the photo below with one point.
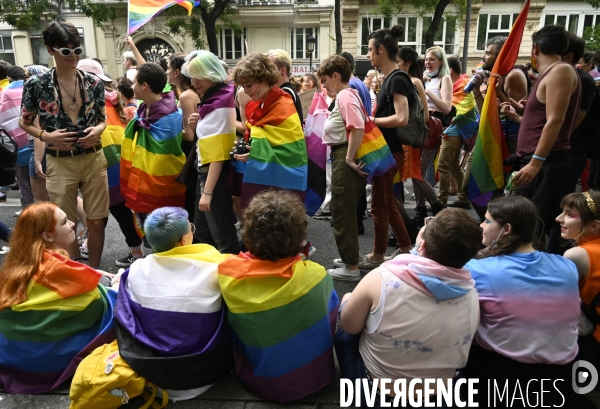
(466, 43)
(310, 63)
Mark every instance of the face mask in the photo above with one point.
(432, 74)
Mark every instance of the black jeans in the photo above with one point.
(124, 217)
(217, 226)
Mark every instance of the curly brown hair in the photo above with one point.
(255, 68)
(274, 225)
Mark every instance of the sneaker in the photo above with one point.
(125, 261)
(238, 225)
(307, 251)
(17, 214)
(393, 255)
(344, 273)
(368, 263)
(460, 205)
(4, 250)
(322, 216)
(85, 255)
(391, 242)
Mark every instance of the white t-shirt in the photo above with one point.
(131, 73)
(347, 114)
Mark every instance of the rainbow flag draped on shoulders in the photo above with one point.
(67, 315)
(317, 153)
(283, 316)
(171, 320)
(278, 157)
(466, 121)
(10, 112)
(487, 169)
(142, 11)
(216, 128)
(151, 158)
(112, 137)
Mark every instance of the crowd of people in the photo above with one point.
(185, 152)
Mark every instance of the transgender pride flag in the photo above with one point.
(142, 11)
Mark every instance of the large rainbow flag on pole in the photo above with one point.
(142, 11)
(283, 316)
(65, 317)
(487, 170)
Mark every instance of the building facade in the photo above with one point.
(287, 24)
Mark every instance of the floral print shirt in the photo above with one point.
(40, 97)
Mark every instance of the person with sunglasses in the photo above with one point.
(70, 106)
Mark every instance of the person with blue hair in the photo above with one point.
(171, 325)
(215, 124)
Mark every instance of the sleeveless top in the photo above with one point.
(434, 85)
(534, 120)
(589, 287)
(412, 335)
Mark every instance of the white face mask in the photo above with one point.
(433, 73)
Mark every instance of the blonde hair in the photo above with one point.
(282, 59)
(441, 55)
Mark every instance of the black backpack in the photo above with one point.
(8, 158)
(415, 131)
(591, 124)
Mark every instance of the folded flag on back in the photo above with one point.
(173, 326)
(216, 127)
(112, 137)
(65, 317)
(278, 158)
(142, 11)
(466, 120)
(151, 158)
(317, 153)
(283, 316)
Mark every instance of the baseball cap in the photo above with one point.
(93, 67)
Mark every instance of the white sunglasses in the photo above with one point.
(65, 52)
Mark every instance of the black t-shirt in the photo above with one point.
(400, 84)
(289, 88)
(588, 92)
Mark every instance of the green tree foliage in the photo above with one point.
(591, 35)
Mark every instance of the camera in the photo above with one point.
(80, 134)
(239, 148)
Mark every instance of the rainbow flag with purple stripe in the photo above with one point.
(278, 157)
(173, 326)
(151, 158)
(283, 315)
(66, 316)
(112, 137)
(142, 11)
(216, 128)
(487, 170)
(317, 153)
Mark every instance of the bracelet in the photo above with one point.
(40, 135)
(516, 117)
(538, 158)
(206, 193)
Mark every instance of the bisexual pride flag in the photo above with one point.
(317, 153)
(487, 170)
(142, 11)
(151, 158)
(283, 316)
(66, 315)
(172, 324)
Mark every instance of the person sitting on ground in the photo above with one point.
(171, 323)
(426, 297)
(282, 309)
(529, 304)
(53, 311)
(580, 222)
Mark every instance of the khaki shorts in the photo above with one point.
(87, 173)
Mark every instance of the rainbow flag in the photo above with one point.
(283, 316)
(112, 137)
(67, 315)
(466, 121)
(151, 158)
(10, 112)
(142, 11)
(487, 170)
(216, 132)
(171, 320)
(278, 157)
(317, 153)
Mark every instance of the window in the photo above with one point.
(299, 36)
(590, 20)
(230, 46)
(492, 25)
(570, 21)
(7, 52)
(414, 32)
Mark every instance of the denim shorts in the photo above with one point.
(32, 164)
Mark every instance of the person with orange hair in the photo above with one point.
(53, 310)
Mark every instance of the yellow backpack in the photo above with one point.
(103, 380)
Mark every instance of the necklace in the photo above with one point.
(72, 105)
(66, 79)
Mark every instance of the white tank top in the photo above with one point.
(412, 335)
(434, 86)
